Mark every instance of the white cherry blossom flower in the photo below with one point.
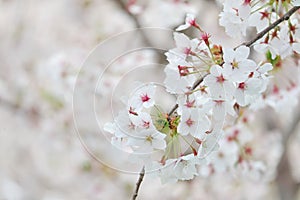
(164, 170)
(175, 83)
(235, 17)
(147, 140)
(236, 65)
(221, 107)
(189, 21)
(142, 97)
(218, 82)
(281, 44)
(210, 144)
(122, 126)
(201, 101)
(194, 122)
(142, 120)
(185, 167)
(260, 19)
(184, 46)
(247, 92)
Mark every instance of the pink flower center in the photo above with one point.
(264, 15)
(275, 89)
(145, 98)
(189, 122)
(187, 51)
(192, 22)
(183, 70)
(247, 2)
(146, 124)
(219, 102)
(236, 132)
(205, 37)
(220, 79)
(242, 86)
(248, 150)
(190, 104)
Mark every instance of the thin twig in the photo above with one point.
(173, 109)
(195, 85)
(138, 183)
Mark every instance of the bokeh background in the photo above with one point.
(44, 44)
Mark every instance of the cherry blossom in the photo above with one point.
(142, 97)
(223, 120)
(209, 145)
(147, 140)
(207, 131)
(184, 46)
(236, 65)
(164, 171)
(218, 82)
(177, 82)
(195, 123)
(185, 167)
(235, 17)
(189, 21)
(260, 20)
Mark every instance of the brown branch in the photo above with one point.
(285, 17)
(138, 183)
(138, 25)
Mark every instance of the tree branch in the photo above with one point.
(135, 19)
(138, 183)
(286, 16)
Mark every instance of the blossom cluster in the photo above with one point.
(206, 134)
(38, 115)
(239, 16)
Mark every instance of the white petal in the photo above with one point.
(182, 27)
(228, 55)
(242, 53)
(240, 97)
(296, 47)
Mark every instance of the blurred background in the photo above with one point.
(43, 46)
